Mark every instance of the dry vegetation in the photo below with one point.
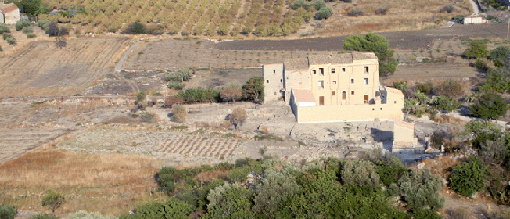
(40, 69)
(110, 184)
(401, 15)
(252, 18)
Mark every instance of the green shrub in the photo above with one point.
(7, 212)
(500, 55)
(200, 95)
(390, 170)
(175, 85)
(21, 24)
(11, 41)
(323, 13)
(489, 106)
(4, 29)
(358, 173)
(172, 208)
(31, 35)
(52, 199)
(477, 49)
(141, 96)
(45, 25)
(481, 64)
(468, 177)
(136, 28)
(448, 104)
(421, 190)
(273, 190)
(229, 202)
(1, 49)
(5, 36)
(27, 30)
(364, 202)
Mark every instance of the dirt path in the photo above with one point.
(474, 7)
(119, 68)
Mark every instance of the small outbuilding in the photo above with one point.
(474, 19)
(9, 13)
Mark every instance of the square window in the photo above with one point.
(352, 92)
(333, 93)
(334, 82)
(320, 84)
(352, 80)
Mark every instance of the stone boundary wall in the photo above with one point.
(78, 100)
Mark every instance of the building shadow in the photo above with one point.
(384, 137)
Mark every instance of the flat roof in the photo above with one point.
(301, 96)
(344, 58)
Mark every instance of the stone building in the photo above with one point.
(336, 87)
(9, 13)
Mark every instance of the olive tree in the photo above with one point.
(468, 177)
(377, 44)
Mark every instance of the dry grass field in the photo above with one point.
(109, 184)
(40, 69)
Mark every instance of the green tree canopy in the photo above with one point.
(30, 7)
(489, 106)
(468, 178)
(377, 44)
(254, 89)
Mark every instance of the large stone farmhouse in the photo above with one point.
(9, 13)
(330, 88)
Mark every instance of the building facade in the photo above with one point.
(9, 13)
(337, 87)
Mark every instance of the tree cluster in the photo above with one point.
(377, 44)
(274, 189)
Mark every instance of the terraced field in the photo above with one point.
(14, 142)
(257, 18)
(40, 69)
(174, 146)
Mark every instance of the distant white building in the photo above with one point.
(474, 19)
(9, 13)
